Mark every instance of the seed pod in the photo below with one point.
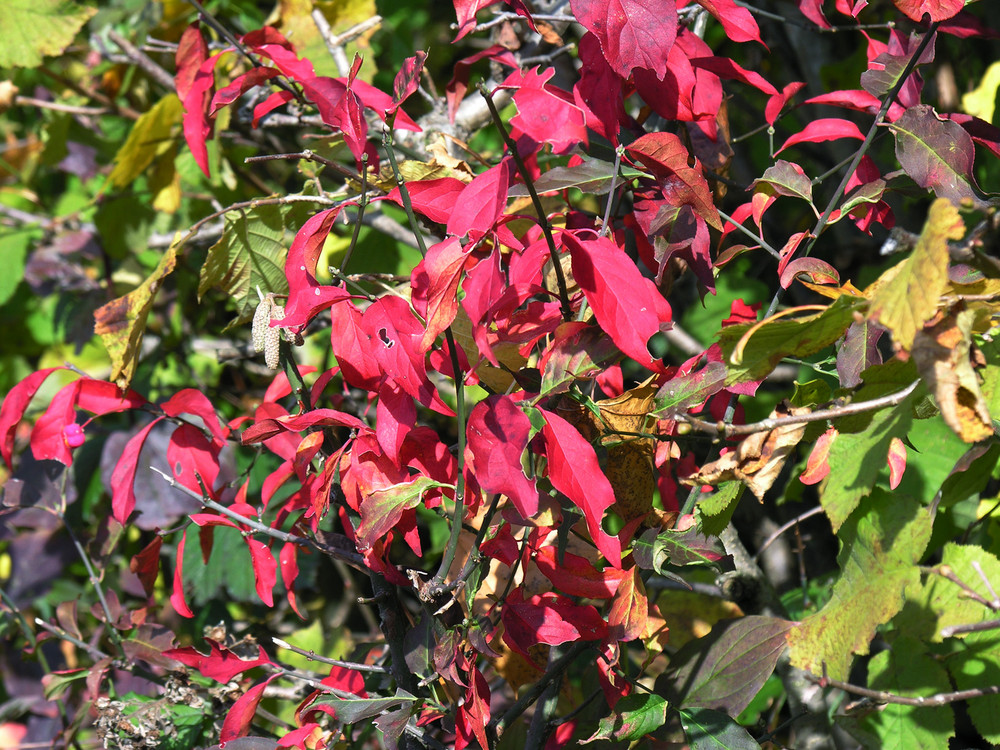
(261, 321)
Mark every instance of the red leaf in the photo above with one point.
(146, 564)
(627, 305)
(813, 10)
(288, 562)
(237, 721)
(407, 80)
(825, 129)
(395, 335)
(815, 270)
(459, 83)
(548, 618)
(897, 462)
(497, 434)
(48, 441)
(265, 570)
(123, 476)
(195, 79)
(817, 466)
(306, 296)
(265, 429)
(576, 575)
(939, 10)
(192, 401)
(192, 457)
(600, 89)
(777, 102)
(737, 22)
(856, 99)
(14, 405)
(242, 84)
(633, 33)
(482, 201)
(177, 597)
(726, 68)
(575, 471)
(435, 283)
(474, 714)
(220, 664)
(545, 113)
(434, 199)
(395, 417)
(352, 347)
(101, 397)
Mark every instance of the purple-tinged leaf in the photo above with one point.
(633, 33)
(858, 352)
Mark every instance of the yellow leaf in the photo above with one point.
(122, 322)
(910, 297)
(151, 135)
(942, 356)
(982, 100)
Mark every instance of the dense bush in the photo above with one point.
(576, 372)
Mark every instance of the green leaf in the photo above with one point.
(655, 549)
(939, 603)
(15, 245)
(725, 669)
(905, 668)
(977, 665)
(773, 341)
(714, 511)
(593, 176)
(33, 29)
(911, 293)
(228, 574)
(151, 135)
(713, 730)
(353, 710)
(784, 178)
(633, 718)
(881, 544)
(250, 253)
(936, 154)
(382, 509)
(684, 391)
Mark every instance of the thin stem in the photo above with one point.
(143, 60)
(404, 193)
(30, 101)
(63, 635)
(883, 696)
(313, 656)
(728, 430)
(543, 221)
(95, 581)
(785, 527)
(749, 233)
(605, 226)
(362, 202)
(305, 155)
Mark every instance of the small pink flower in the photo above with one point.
(73, 435)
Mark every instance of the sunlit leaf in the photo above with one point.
(33, 29)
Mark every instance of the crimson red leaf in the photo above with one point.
(855, 99)
(574, 470)
(395, 335)
(824, 129)
(813, 10)
(146, 564)
(306, 296)
(497, 434)
(177, 597)
(459, 83)
(220, 664)
(266, 429)
(633, 33)
(778, 101)
(627, 305)
(123, 476)
(482, 201)
(242, 84)
(548, 618)
(545, 113)
(576, 575)
(237, 721)
(939, 10)
(473, 715)
(192, 458)
(435, 283)
(14, 405)
(737, 22)
(48, 439)
(407, 80)
(265, 570)
(195, 80)
(729, 69)
(435, 199)
(289, 565)
(193, 401)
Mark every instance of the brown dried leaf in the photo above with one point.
(629, 609)
(942, 354)
(758, 460)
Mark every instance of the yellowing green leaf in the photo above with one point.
(122, 322)
(910, 297)
(150, 136)
(981, 101)
(880, 545)
(33, 29)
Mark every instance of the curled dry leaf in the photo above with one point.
(759, 458)
(941, 352)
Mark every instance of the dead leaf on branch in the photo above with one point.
(942, 353)
(758, 460)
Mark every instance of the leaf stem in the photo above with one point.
(543, 221)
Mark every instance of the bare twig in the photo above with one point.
(822, 415)
(305, 155)
(63, 635)
(785, 527)
(336, 51)
(751, 234)
(974, 627)
(883, 696)
(327, 660)
(945, 571)
(143, 61)
(73, 109)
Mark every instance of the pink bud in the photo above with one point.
(73, 435)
